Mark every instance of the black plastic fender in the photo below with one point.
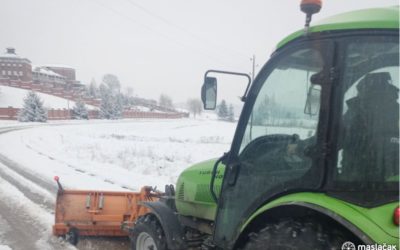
(296, 208)
(169, 221)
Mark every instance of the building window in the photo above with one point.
(3, 72)
(9, 72)
(15, 73)
(8, 64)
(21, 73)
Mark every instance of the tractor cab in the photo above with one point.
(322, 117)
(314, 163)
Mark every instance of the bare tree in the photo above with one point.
(195, 106)
(129, 91)
(165, 101)
(112, 83)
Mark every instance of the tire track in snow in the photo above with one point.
(26, 213)
(28, 222)
(28, 188)
(20, 170)
(77, 169)
(25, 228)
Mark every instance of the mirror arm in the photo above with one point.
(243, 98)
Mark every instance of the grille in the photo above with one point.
(181, 194)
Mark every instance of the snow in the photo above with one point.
(117, 155)
(10, 55)
(17, 200)
(58, 66)
(47, 196)
(33, 109)
(33, 213)
(46, 71)
(4, 228)
(13, 97)
(142, 108)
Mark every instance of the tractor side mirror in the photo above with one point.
(313, 100)
(209, 93)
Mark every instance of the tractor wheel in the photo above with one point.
(291, 234)
(72, 236)
(147, 234)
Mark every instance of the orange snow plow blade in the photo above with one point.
(98, 213)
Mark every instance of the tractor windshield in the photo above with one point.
(368, 134)
(280, 105)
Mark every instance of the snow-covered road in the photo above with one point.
(114, 155)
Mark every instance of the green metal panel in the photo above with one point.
(377, 18)
(376, 222)
(193, 190)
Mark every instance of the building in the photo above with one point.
(66, 71)
(15, 67)
(45, 76)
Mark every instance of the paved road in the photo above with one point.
(26, 214)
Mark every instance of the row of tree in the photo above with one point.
(34, 111)
(113, 102)
(111, 108)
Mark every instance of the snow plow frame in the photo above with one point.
(99, 213)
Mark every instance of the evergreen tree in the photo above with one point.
(33, 110)
(222, 110)
(118, 103)
(263, 111)
(231, 113)
(106, 105)
(80, 111)
(111, 106)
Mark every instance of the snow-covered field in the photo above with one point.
(111, 155)
(117, 154)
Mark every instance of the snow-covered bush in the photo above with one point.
(33, 110)
(79, 111)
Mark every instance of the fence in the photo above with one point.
(72, 94)
(11, 113)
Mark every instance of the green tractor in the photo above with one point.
(314, 163)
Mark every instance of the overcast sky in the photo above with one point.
(156, 46)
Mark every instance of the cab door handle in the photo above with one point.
(233, 171)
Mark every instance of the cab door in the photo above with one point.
(275, 148)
